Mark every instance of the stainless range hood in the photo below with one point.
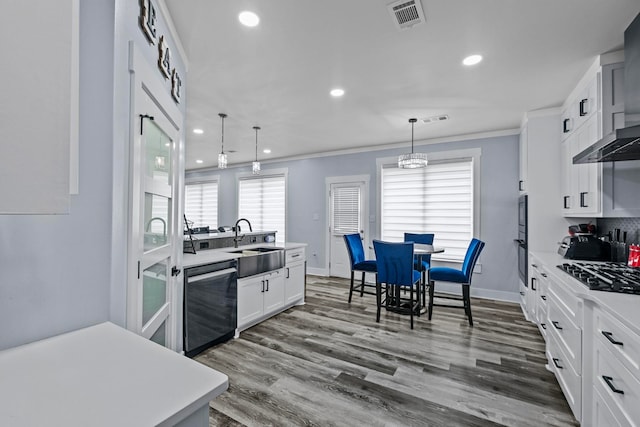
(622, 144)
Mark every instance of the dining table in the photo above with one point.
(419, 251)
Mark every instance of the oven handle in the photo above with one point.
(207, 276)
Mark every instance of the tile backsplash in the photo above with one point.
(630, 225)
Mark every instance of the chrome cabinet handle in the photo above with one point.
(583, 204)
(533, 282)
(267, 285)
(566, 202)
(262, 286)
(609, 336)
(287, 273)
(583, 109)
(609, 382)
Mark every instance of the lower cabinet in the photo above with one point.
(259, 296)
(616, 371)
(264, 295)
(594, 352)
(294, 278)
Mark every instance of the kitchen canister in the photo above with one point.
(634, 256)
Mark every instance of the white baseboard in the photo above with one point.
(456, 289)
(322, 272)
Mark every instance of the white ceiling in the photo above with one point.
(278, 74)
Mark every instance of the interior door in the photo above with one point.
(347, 216)
(153, 237)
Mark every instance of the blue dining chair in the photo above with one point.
(422, 263)
(463, 276)
(395, 271)
(358, 263)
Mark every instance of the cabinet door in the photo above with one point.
(522, 183)
(568, 200)
(274, 291)
(589, 175)
(250, 299)
(294, 282)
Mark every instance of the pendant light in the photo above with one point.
(256, 165)
(222, 157)
(413, 160)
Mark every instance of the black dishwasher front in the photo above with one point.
(210, 305)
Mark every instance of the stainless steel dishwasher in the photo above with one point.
(210, 305)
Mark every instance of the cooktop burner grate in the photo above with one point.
(608, 276)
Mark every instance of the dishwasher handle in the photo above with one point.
(207, 276)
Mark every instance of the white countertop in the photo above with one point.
(103, 375)
(624, 307)
(208, 256)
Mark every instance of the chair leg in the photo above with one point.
(431, 286)
(411, 304)
(351, 287)
(378, 299)
(467, 303)
(362, 285)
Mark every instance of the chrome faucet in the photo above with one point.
(236, 228)
(164, 224)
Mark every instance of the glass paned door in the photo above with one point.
(157, 206)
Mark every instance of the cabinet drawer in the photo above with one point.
(567, 334)
(570, 381)
(603, 415)
(293, 255)
(616, 385)
(562, 295)
(543, 320)
(623, 343)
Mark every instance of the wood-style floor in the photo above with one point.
(328, 363)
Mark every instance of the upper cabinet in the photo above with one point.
(595, 109)
(39, 118)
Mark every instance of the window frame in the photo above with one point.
(439, 156)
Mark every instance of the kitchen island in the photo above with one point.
(104, 375)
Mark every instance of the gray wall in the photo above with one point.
(64, 272)
(307, 192)
(54, 270)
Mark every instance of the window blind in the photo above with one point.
(437, 199)
(346, 210)
(201, 204)
(262, 202)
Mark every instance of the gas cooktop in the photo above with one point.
(605, 276)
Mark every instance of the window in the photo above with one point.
(438, 199)
(346, 209)
(262, 201)
(201, 204)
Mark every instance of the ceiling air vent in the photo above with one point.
(406, 14)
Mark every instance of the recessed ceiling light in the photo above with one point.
(266, 151)
(472, 60)
(337, 92)
(248, 19)
(199, 161)
(198, 131)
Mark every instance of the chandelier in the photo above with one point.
(222, 157)
(256, 165)
(412, 160)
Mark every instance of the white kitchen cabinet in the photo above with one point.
(294, 280)
(616, 369)
(524, 167)
(259, 296)
(39, 121)
(595, 109)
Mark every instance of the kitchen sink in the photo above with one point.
(259, 260)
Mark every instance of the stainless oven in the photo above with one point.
(522, 239)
